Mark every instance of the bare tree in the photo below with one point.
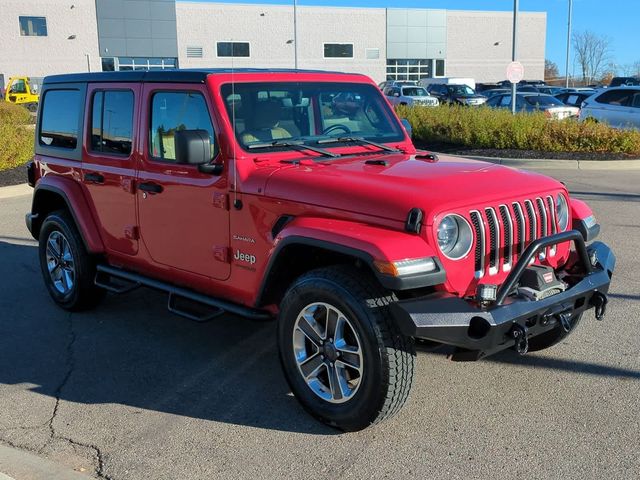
(593, 53)
(550, 70)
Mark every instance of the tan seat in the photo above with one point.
(264, 124)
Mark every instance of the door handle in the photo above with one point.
(93, 178)
(150, 187)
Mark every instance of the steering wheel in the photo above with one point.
(337, 126)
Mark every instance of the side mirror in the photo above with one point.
(407, 126)
(396, 94)
(193, 147)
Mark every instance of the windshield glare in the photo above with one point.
(414, 92)
(307, 112)
(461, 90)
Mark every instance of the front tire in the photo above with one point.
(67, 268)
(341, 351)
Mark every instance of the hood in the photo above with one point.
(404, 182)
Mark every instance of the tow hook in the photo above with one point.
(565, 321)
(599, 301)
(520, 335)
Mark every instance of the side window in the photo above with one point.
(494, 101)
(388, 91)
(60, 119)
(19, 86)
(112, 122)
(174, 111)
(505, 101)
(615, 97)
(635, 102)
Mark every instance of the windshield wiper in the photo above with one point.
(295, 145)
(358, 140)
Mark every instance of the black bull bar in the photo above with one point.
(481, 330)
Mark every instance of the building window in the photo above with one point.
(233, 49)
(194, 52)
(439, 68)
(112, 122)
(111, 64)
(372, 53)
(60, 114)
(338, 50)
(413, 69)
(33, 26)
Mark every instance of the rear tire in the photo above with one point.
(67, 268)
(552, 337)
(335, 324)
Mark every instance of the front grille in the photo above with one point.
(503, 232)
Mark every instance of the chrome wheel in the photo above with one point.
(60, 262)
(328, 352)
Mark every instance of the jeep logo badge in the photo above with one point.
(245, 257)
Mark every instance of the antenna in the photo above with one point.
(236, 203)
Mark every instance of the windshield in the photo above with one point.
(414, 92)
(308, 112)
(543, 100)
(461, 90)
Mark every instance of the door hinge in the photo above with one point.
(221, 200)
(132, 232)
(221, 254)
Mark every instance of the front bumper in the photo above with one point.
(483, 330)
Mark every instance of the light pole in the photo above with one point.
(514, 52)
(568, 44)
(295, 33)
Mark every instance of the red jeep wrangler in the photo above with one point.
(299, 194)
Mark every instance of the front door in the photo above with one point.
(183, 213)
(109, 162)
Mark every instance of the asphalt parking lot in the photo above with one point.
(130, 391)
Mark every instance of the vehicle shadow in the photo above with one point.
(131, 351)
(618, 197)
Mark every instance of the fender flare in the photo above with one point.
(72, 195)
(583, 220)
(359, 241)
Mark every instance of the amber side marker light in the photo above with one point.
(409, 266)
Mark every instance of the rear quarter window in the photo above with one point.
(59, 126)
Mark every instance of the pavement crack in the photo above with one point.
(53, 435)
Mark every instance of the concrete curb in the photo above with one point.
(631, 164)
(15, 191)
(20, 464)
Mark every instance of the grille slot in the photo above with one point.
(494, 238)
(520, 228)
(554, 223)
(507, 224)
(543, 224)
(478, 229)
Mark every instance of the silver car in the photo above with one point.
(619, 107)
(410, 95)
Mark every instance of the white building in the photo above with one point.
(42, 37)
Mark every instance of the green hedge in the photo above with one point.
(498, 128)
(16, 135)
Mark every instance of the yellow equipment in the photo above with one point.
(24, 91)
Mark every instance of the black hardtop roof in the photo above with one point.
(168, 76)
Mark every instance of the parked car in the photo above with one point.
(495, 91)
(298, 196)
(391, 83)
(551, 90)
(483, 87)
(410, 95)
(535, 102)
(617, 106)
(621, 81)
(533, 83)
(573, 99)
(456, 94)
(470, 82)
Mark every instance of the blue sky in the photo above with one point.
(617, 19)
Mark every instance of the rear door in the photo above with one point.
(184, 215)
(109, 162)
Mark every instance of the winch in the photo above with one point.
(538, 282)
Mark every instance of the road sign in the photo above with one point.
(515, 72)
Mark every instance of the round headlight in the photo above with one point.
(454, 237)
(562, 212)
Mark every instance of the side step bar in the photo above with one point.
(127, 281)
